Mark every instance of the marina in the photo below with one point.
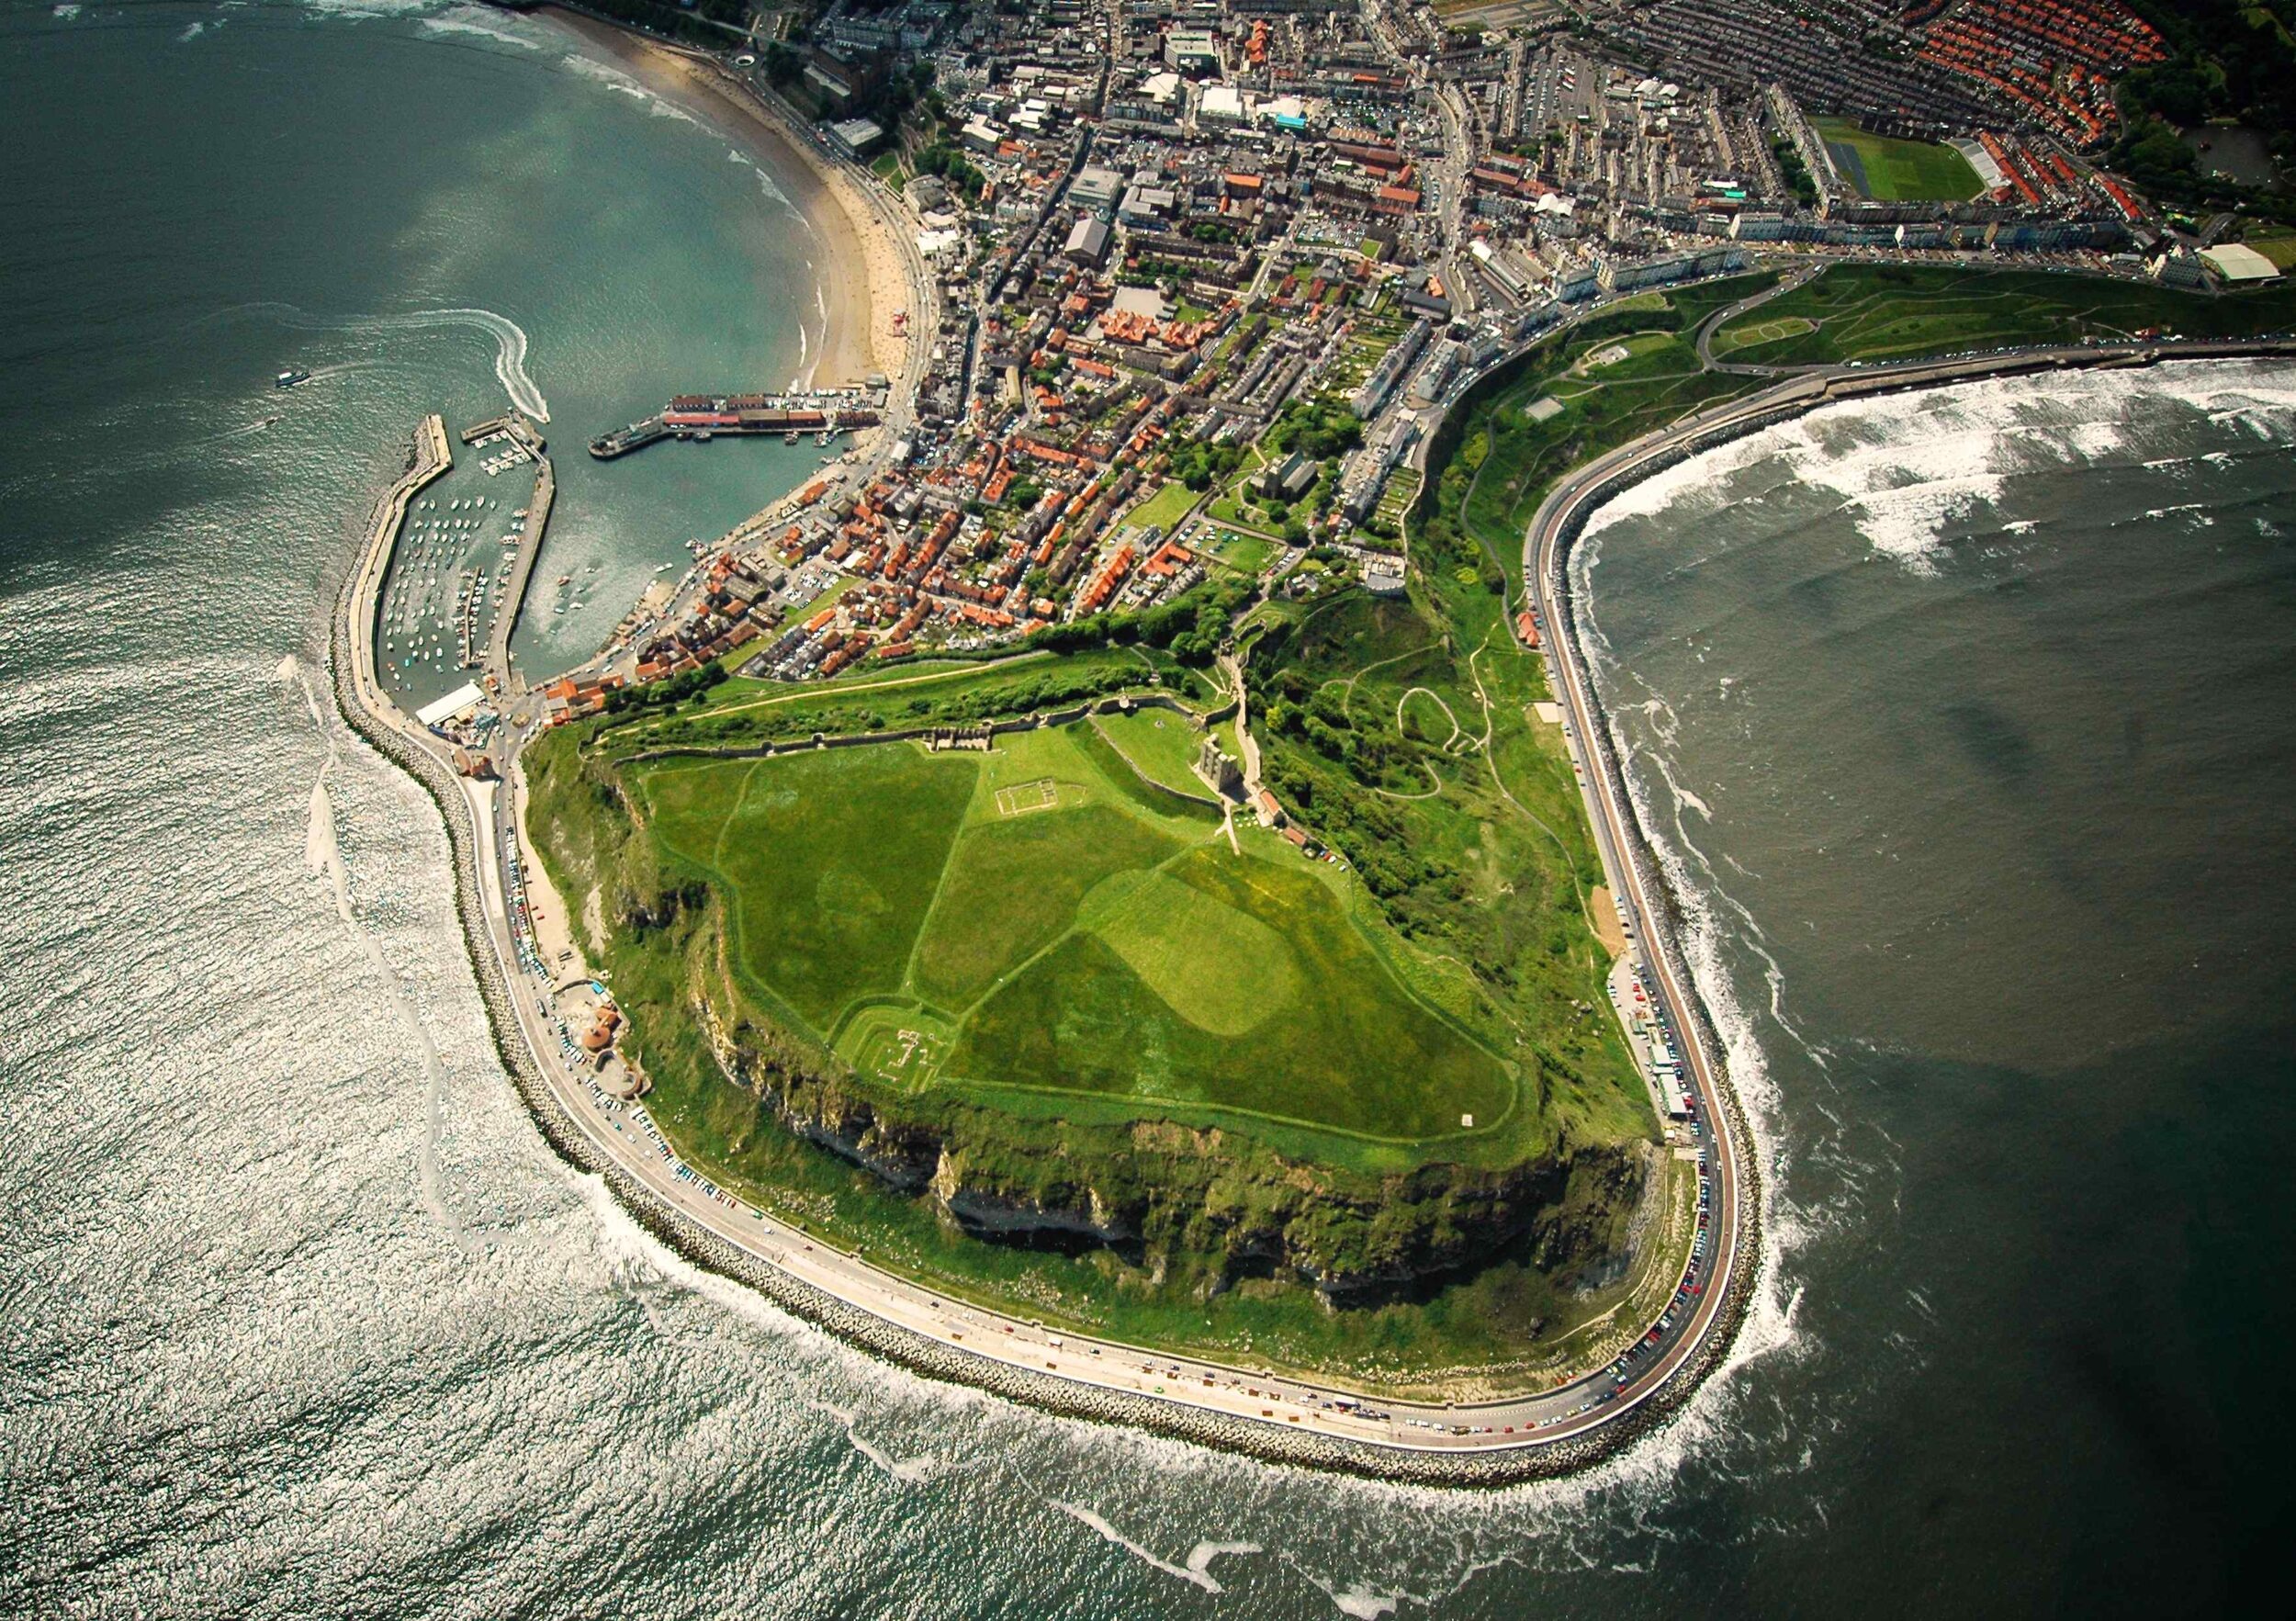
(458, 568)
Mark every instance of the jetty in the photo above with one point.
(822, 412)
(505, 680)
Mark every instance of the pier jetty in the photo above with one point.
(505, 680)
(823, 412)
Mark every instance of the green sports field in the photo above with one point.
(1042, 920)
(1893, 171)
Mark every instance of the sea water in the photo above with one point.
(301, 1317)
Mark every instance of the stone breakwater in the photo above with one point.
(931, 1358)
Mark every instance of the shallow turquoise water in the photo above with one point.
(300, 1317)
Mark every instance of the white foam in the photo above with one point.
(613, 78)
(1354, 1599)
(775, 194)
(323, 854)
(65, 12)
(362, 10)
(1907, 466)
(1198, 1568)
(468, 19)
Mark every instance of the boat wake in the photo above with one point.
(510, 350)
(510, 340)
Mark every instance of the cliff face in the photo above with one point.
(1160, 1192)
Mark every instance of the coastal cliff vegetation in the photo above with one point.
(1033, 1026)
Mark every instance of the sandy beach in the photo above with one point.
(862, 284)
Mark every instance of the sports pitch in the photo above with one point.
(1893, 171)
(1040, 927)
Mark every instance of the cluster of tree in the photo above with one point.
(665, 695)
(2234, 60)
(1314, 766)
(783, 67)
(1796, 172)
(1319, 429)
(1191, 628)
(1146, 270)
(1056, 686)
(952, 167)
(1200, 464)
(707, 21)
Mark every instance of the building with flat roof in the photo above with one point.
(1192, 51)
(855, 137)
(1095, 187)
(2236, 263)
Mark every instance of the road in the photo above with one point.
(1800, 276)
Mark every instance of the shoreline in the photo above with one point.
(860, 277)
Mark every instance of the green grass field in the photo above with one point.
(2281, 249)
(1039, 919)
(1165, 508)
(1891, 171)
(1159, 745)
(1899, 312)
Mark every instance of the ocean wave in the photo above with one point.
(469, 19)
(1907, 466)
(357, 10)
(606, 73)
(621, 84)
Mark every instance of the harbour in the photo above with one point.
(459, 565)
